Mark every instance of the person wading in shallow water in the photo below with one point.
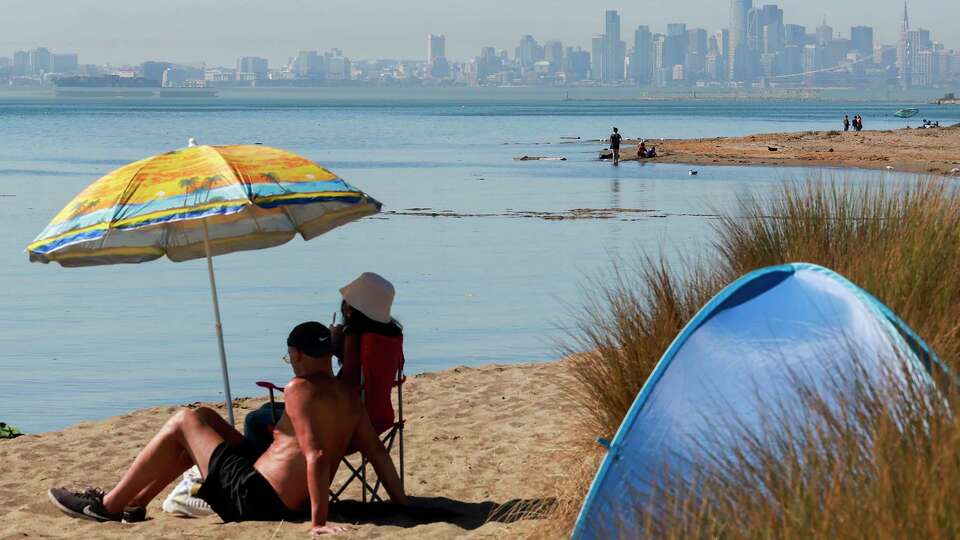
(615, 139)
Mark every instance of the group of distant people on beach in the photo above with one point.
(616, 139)
(282, 466)
(857, 123)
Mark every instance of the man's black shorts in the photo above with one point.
(237, 492)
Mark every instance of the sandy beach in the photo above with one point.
(924, 151)
(478, 442)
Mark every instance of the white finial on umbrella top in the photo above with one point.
(191, 142)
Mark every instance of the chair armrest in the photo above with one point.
(269, 386)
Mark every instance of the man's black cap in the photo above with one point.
(312, 339)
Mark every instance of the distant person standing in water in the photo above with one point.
(846, 122)
(615, 139)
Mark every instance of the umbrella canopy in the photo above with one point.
(250, 197)
(200, 201)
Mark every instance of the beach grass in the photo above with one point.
(901, 242)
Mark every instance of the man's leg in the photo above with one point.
(188, 438)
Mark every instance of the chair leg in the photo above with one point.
(363, 478)
(273, 408)
(354, 474)
(400, 429)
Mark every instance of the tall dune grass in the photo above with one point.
(901, 243)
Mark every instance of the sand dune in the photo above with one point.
(477, 439)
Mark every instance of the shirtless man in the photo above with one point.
(322, 417)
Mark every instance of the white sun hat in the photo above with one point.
(371, 295)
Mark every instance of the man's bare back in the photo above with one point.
(337, 413)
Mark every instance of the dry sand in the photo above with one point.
(926, 151)
(476, 439)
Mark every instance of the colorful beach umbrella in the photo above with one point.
(200, 201)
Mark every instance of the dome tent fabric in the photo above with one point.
(743, 349)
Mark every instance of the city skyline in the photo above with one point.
(760, 46)
(392, 31)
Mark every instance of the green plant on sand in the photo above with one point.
(899, 241)
(9, 432)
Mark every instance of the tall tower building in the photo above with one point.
(553, 53)
(641, 64)
(615, 50)
(436, 47)
(861, 40)
(824, 33)
(41, 61)
(598, 53)
(738, 38)
(905, 51)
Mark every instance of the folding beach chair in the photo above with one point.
(381, 370)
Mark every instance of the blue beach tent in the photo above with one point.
(744, 349)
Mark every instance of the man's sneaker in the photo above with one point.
(134, 514)
(86, 504)
(183, 501)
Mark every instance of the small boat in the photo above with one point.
(540, 158)
(906, 113)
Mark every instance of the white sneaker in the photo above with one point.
(182, 500)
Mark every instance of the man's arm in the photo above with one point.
(370, 446)
(299, 395)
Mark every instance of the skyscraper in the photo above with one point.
(696, 53)
(824, 33)
(65, 63)
(615, 50)
(553, 53)
(255, 65)
(795, 35)
(765, 29)
(738, 39)
(723, 52)
(41, 61)
(529, 51)
(597, 57)
(906, 51)
(21, 63)
(576, 63)
(436, 47)
(437, 56)
(641, 63)
(676, 29)
(861, 40)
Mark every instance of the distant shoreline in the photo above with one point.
(923, 151)
(572, 95)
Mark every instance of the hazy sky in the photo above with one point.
(129, 31)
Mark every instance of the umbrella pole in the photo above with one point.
(227, 399)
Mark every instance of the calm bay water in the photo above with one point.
(493, 286)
